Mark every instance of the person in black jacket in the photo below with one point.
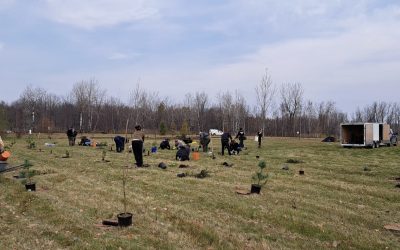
(71, 133)
(165, 144)
(183, 153)
(225, 138)
(234, 147)
(260, 135)
(119, 143)
(241, 137)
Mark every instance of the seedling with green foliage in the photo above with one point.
(31, 143)
(28, 172)
(260, 177)
(101, 145)
(203, 174)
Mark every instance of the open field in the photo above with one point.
(336, 204)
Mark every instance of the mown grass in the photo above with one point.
(335, 204)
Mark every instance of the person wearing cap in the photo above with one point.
(241, 137)
(137, 145)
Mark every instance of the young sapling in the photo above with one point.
(259, 177)
(29, 185)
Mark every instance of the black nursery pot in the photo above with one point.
(124, 219)
(301, 172)
(255, 189)
(30, 186)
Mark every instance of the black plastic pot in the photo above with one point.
(124, 219)
(301, 172)
(255, 189)
(162, 165)
(30, 186)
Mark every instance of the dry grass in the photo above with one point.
(335, 204)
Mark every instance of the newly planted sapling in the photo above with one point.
(203, 174)
(125, 218)
(31, 143)
(102, 144)
(29, 185)
(260, 178)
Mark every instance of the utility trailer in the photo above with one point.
(365, 135)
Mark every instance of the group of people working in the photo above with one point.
(183, 148)
(227, 142)
(232, 146)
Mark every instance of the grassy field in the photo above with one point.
(336, 204)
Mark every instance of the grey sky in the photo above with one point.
(342, 51)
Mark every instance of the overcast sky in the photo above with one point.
(339, 50)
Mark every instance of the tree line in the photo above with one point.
(279, 111)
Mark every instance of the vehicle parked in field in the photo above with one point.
(366, 135)
(215, 132)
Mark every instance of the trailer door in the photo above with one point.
(376, 132)
(368, 134)
(386, 131)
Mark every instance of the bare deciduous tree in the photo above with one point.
(264, 93)
(225, 102)
(200, 105)
(89, 98)
(292, 96)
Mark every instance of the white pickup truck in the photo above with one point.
(215, 132)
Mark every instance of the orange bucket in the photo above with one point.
(196, 156)
(4, 156)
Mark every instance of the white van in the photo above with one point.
(215, 132)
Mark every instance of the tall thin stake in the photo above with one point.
(125, 169)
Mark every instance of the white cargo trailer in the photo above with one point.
(364, 134)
